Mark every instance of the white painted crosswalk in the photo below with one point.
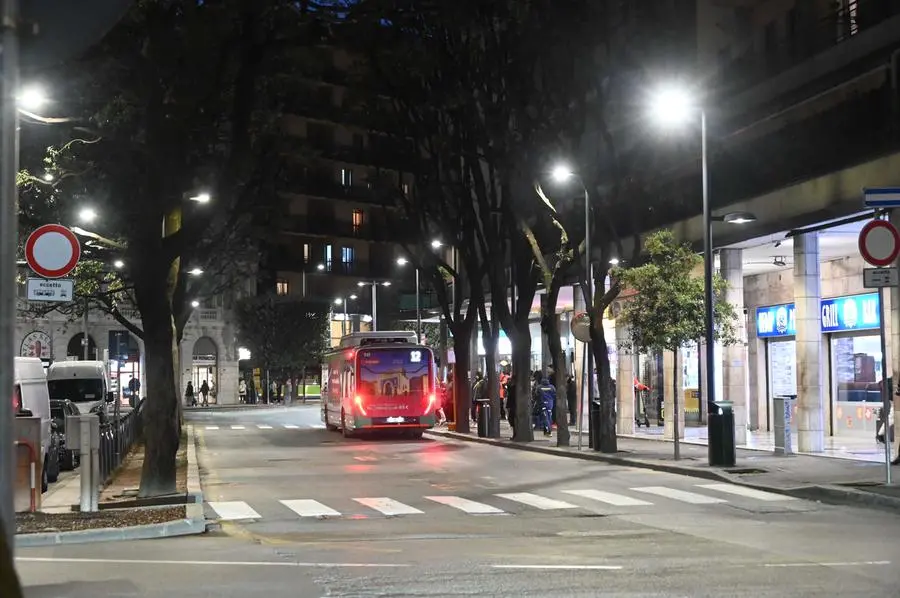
(624, 500)
(249, 426)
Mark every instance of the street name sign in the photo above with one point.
(875, 278)
(879, 243)
(882, 197)
(41, 289)
(52, 251)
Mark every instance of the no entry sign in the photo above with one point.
(52, 251)
(879, 243)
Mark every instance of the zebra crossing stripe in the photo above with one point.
(310, 508)
(233, 510)
(680, 495)
(264, 427)
(617, 500)
(388, 506)
(238, 428)
(538, 502)
(212, 427)
(744, 491)
(290, 427)
(467, 506)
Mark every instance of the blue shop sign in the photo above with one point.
(775, 320)
(858, 312)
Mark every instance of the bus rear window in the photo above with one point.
(393, 372)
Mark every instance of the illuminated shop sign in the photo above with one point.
(840, 314)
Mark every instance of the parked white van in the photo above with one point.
(32, 394)
(85, 383)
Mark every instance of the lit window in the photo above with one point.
(346, 177)
(306, 252)
(347, 258)
(405, 187)
(359, 218)
(282, 287)
(328, 257)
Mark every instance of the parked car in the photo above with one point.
(59, 410)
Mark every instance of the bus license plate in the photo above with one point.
(395, 420)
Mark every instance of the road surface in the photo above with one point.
(303, 512)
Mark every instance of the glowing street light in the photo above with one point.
(614, 261)
(436, 244)
(561, 173)
(118, 264)
(195, 271)
(338, 301)
(402, 261)
(201, 198)
(48, 176)
(353, 297)
(320, 267)
(87, 215)
(195, 304)
(672, 106)
(32, 98)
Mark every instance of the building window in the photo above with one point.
(328, 258)
(359, 218)
(282, 287)
(306, 253)
(405, 187)
(347, 259)
(346, 177)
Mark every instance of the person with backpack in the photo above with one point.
(545, 399)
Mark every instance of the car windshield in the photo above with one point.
(78, 390)
(390, 372)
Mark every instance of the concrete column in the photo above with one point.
(672, 365)
(624, 381)
(810, 384)
(734, 368)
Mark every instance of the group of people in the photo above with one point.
(190, 398)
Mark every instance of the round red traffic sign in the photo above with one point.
(52, 251)
(879, 243)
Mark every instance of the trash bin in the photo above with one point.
(484, 419)
(782, 415)
(594, 425)
(721, 434)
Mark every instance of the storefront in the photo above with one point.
(776, 326)
(850, 328)
(854, 358)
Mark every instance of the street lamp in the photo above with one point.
(48, 177)
(195, 304)
(201, 197)
(195, 271)
(561, 174)
(320, 267)
(118, 264)
(32, 98)
(402, 261)
(374, 285)
(614, 261)
(673, 106)
(87, 215)
(436, 244)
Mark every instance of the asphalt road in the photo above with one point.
(305, 513)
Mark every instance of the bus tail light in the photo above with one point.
(358, 402)
(432, 400)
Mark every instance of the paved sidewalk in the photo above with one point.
(827, 479)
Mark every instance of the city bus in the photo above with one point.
(380, 381)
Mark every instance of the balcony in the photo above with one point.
(821, 46)
(296, 182)
(388, 155)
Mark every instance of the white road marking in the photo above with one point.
(233, 510)
(681, 495)
(844, 564)
(290, 427)
(238, 427)
(609, 498)
(26, 559)
(744, 491)
(388, 506)
(310, 508)
(212, 427)
(563, 567)
(538, 502)
(264, 427)
(466, 505)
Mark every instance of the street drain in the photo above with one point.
(745, 470)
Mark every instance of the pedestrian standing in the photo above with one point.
(204, 393)
(288, 392)
(189, 397)
(571, 399)
(242, 391)
(511, 402)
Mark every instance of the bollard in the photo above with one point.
(484, 419)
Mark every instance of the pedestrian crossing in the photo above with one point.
(510, 503)
(239, 427)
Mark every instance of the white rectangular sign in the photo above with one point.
(881, 197)
(874, 278)
(59, 290)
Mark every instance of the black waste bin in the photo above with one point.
(484, 419)
(721, 434)
(594, 425)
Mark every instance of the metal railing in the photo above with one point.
(117, 436)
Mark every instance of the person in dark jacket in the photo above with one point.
(571, 399)
(511, 404)
(545, 395)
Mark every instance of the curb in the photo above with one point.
(194, 522)
(830, 494)
(244, 407)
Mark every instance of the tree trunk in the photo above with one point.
(521, 367)
(550, 327)
(9, 579)
(160, 414)
(608, 441)
(461, 398)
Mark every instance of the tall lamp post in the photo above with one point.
(673, 106)
(374, 284)
(402, 261)
(561, 174)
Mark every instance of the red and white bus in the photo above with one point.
(380, 381)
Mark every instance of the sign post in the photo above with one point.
(879, 244)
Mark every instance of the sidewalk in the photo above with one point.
(248, 406)
(841, 481)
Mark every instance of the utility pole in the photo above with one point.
(9, 156)
(84, 331)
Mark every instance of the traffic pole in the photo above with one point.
(9, 166)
